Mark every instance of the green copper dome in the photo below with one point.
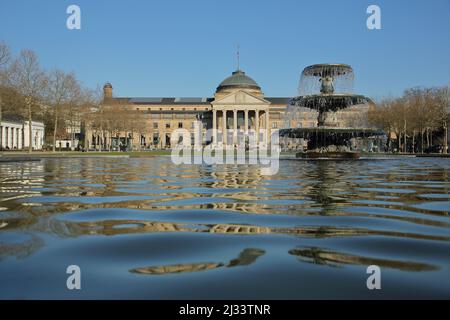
(238, 80)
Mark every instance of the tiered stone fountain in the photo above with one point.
(327, 88)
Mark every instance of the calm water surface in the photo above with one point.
(145, 228)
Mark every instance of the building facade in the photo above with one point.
(70, 139)
(15, 134)
(238, 105)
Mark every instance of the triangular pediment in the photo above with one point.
(240, 97)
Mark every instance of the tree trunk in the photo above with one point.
(55, 129)
(405, 143)
(445, 150)
(72, 136)
(101, 133)
(413, 141)
(131, 141)
(421, 142)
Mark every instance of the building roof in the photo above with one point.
(180, 101)
(12, 119)
(172, 101)
(238, 79)
(278, 100)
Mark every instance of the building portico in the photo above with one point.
(239, 107)
(14, 134)
(243, 119)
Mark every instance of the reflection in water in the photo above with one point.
(117, 227)
(336, 259)
(245, 258)
(112, 215)
(177, 268)
(21, 247)
(324, 192)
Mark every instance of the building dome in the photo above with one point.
(107, 85)
(238, 80)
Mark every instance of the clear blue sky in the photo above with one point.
(185, 48)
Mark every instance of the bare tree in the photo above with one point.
(444, 111)
(91, 112)
(420, 111)
(5, 58)
(79, 110)
(63, 90)
(30, 80)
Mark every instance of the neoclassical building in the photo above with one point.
(15, 134)
(238, 105)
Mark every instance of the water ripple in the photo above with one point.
(133, 220)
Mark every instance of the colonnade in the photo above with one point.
(260, 119)
(11, 137)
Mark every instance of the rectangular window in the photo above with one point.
(155, 125)
(274, 125)
(167, 125)
(180, 125)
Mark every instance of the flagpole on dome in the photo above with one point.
(238, 58)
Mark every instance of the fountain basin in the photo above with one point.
(329, 102)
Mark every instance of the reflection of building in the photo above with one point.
(15, 134)
(72, 136)
(238, 105)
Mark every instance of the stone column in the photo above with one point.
(257, 125)
(25, 136)
(214, 133)
(1, 135)
(3, 142)
(19, 138)
(224, 127)
(13, 138)
(9, 140)
(268, 128)
(235, 126)
(7, 137)
(246, 121)
(39, 144)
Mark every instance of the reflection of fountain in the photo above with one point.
(337, 259)
(334, 84)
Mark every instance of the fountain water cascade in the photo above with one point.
(327, 89)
